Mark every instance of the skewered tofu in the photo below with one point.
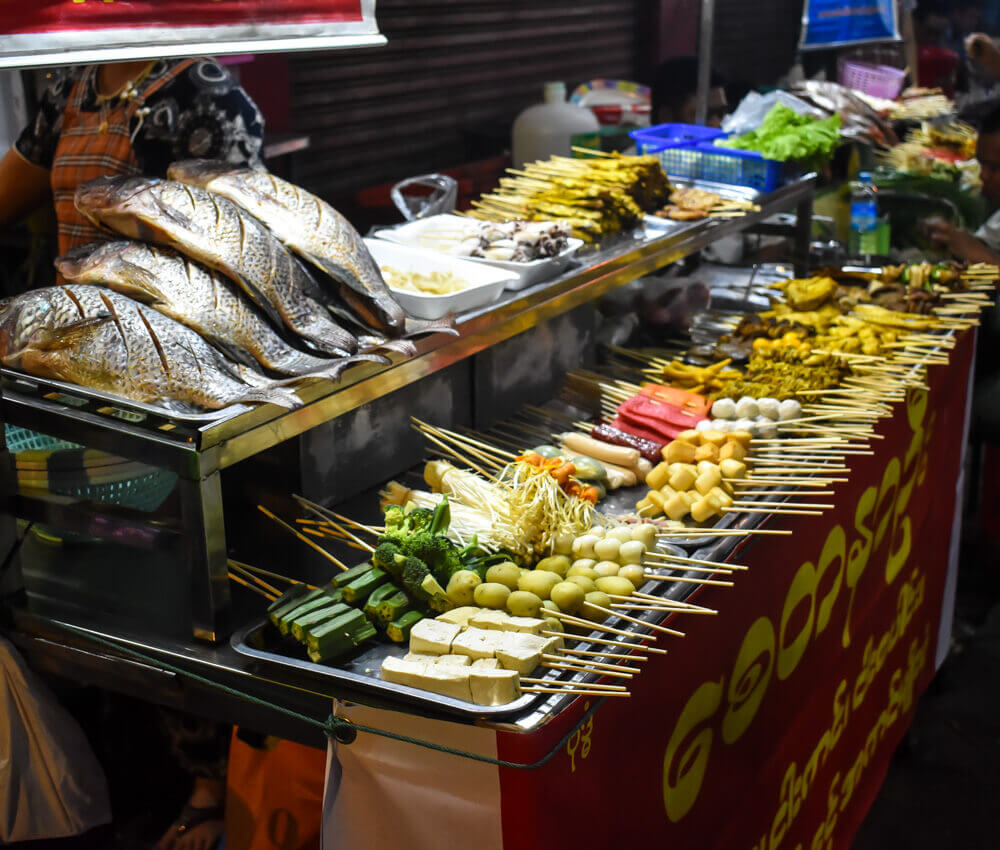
(420, 657)
(433, 636)
(527, 625)
(490, 620)
(477, 643)
(441, 679)
(494, 687)
(459, 616)
(485, 664)
(523, 659)
(453, 660)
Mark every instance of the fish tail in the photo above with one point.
(327, 337)
(401, 346)
(268, 395)
(420, 327)
(306, 366)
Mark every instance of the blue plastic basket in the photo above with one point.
(665, 136)
(740, 168)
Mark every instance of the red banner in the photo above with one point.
(17, 16)
(81, 32)
(771, 724)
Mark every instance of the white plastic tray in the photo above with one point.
(420, 233)
(485, 283)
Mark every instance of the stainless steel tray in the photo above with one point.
(71, 393)
(262, 642)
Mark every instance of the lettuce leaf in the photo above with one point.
(784, 134)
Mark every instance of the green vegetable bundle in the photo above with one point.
(784, 134)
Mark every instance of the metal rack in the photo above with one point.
(198, 448)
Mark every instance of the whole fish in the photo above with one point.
(308, 226)
(198, 297)
(222, 235)
(99, 339)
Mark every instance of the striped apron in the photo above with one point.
(95, 144)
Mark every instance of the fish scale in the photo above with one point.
(308, 226)
(100, 339)
(223, 236)
(198, 297)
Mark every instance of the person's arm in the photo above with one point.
(962, 244)
(24, 187)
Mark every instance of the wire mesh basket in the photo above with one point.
(49, 464)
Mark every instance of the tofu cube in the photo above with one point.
(433, 636)
(494, 687)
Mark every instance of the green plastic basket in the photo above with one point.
(144, 492)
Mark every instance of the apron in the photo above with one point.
(95, 144)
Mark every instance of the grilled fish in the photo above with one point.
(308, 226)
(198, 297)
(100, 339)
(222, 235)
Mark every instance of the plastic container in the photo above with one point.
(424, 233)
(485, 282)
(876, 80)
(547, 129)
(864, 217)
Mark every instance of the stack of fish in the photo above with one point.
(210, 304)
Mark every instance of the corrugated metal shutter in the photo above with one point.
(450, 66)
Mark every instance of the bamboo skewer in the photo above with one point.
(555, 682)
(597, 627)
(605, 641)
(567, 666)
(775, 511)
(234, 577)
(689, 607)
(637, 621)
(606, 654)
(586, 663)
(682, 560)
(263, 572)
(302, 537)
(685, 579)
(270, 588)
(575, 691)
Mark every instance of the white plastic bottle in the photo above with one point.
(547, 129)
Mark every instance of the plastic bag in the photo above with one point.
(442, 197)
(754, 107)
(51, 784)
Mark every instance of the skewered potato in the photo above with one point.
(491, 594)
(523, 603)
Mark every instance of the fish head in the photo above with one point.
(132, 206)
(117, 203)
(201, 172)
(112, 264)
(20, 318)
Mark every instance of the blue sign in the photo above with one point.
(832, 23)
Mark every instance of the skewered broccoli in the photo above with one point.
(437, 552)
(385, 556)
(395, 516)
(413, 574)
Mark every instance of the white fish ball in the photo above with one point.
(768, 407)
(705, 425)
(724, 408)
(723, 425)
(746, 408)
(744, 425)
(789, 409)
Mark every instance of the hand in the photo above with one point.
(959, 243)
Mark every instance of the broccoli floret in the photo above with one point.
(384, 556)
(414, 572)
(417, 520)
(437, 552)
(395, 517)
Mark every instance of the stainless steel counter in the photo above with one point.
(194, 542)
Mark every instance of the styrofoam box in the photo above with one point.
(485, 283)
(437, 230)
